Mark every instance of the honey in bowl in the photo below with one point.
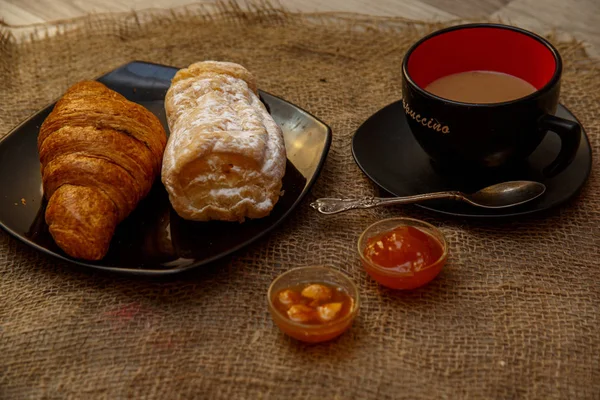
(402, 253)
(313, 304)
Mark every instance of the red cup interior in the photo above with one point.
(482, 49)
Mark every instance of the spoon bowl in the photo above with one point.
(501, 195)
(506, 194)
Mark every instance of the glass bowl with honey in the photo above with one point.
(402, 253)
(313, 304)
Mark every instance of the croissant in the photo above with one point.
(225, 158)
(100, 154)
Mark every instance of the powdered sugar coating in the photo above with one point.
(225, 158)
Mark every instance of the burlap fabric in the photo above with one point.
(515, 314)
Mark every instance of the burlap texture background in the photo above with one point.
(515, 314)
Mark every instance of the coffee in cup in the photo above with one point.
(480, 87)
(484, 95)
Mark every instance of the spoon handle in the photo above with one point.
(334, 206)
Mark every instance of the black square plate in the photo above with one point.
(154, 240)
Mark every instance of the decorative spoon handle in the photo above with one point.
(334, 206)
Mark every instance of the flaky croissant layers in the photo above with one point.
(100, 154)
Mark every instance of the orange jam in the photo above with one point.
(317, 310)
(404, 257)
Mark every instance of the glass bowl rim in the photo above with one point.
(354, 295)
(386, 271)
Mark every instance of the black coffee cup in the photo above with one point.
(486, 135)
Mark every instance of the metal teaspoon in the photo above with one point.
(501, 195)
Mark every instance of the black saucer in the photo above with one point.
(384, 148)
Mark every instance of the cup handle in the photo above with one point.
(570, 135)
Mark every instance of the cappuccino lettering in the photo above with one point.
(428, 122)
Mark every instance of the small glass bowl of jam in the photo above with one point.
(402, 253)
(313, 304)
